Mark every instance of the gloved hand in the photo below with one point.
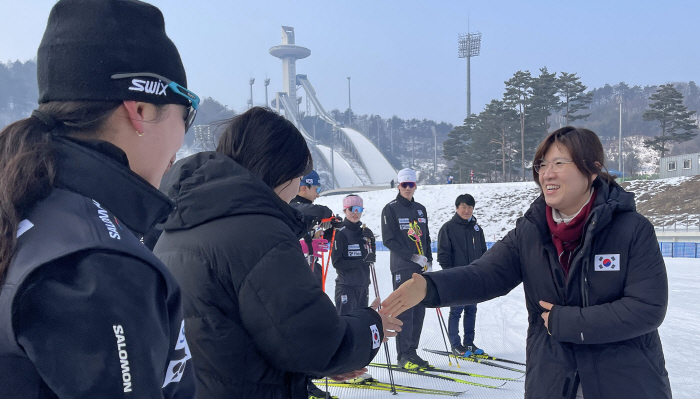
(421, 260)
(428, 267)
(371, 257)
(320, 246)
(337, 222)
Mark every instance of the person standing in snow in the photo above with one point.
(257, 320)
(595, 282)
(351, 258)
(86, 310)
(319, 219)
(407, 256)
(460, 242)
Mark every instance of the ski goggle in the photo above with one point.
(355, 209)
(318, 189)
(408, 184)
(190, 111)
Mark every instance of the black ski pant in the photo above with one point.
(349, 298)
(407, 340)
(469, 322)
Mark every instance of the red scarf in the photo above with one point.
(566, 237)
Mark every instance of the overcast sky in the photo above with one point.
(402, 55)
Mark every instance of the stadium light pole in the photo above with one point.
(267, 83)
(619, 166)
(468, 46)
(250, 103)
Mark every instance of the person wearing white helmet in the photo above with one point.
(405, 232)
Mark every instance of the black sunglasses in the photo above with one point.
(408, 184)
(190, 111)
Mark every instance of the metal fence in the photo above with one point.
(668, 249)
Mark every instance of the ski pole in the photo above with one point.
(373, 274)
(443, 329)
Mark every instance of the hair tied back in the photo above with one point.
(46, 119)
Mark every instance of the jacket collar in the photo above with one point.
(352, 226)
(458, 219)
(100, 170)
(301, 200)
(403, 201)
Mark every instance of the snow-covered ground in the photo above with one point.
(501, 327)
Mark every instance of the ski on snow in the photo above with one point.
(464, 373)
(434, 375)
(373, 384)
(475, 360)
(498, 359)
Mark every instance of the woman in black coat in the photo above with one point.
(257, 321)
(595, 281)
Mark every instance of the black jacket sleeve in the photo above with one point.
(444, 248)
(88, 320)
(391, 234)
(483, 241)
(298, 328)
(493, 275)
(641, 309)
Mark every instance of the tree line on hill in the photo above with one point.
(498, 144)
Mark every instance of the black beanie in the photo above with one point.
(88, 41)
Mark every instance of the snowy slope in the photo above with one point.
(501, 328)
(344, 173)
(378, 168)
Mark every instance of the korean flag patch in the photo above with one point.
(607, 263)
(376, 338)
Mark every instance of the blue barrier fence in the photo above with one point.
(668, 249)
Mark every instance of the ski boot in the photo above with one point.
(472, 350)
(360, 379)
(459, 350)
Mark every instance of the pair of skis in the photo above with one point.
(481, 359)
(433, 373)
(372, 384)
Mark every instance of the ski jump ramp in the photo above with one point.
(377, 167)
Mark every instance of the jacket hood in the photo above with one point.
(610, 199)
(209, 185)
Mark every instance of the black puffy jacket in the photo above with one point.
(256, 319)
(460, 242)
(349, 253)
(606, 313)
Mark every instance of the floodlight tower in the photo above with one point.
(267, 83)
(468, 46)
(250, 102)
(289, 53)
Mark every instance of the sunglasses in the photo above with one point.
(356, 209)
(190, 112)
(408, 184)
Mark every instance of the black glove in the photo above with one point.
(371, 257)
(337, 222)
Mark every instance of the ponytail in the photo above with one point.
(27, 166)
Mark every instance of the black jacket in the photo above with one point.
(460, 242)
(87, 311)
(396, 217)
(606, 313)
(256, 319)
(349, 253)
(312, 216)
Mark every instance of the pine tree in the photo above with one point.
(544, 98)
(667, 108)
(518, 92)
(573, 98)
(500, 124)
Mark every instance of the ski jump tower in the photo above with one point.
(361, 163)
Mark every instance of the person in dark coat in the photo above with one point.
(319, 220)
(257, 320)
(407, 256)
(86, 310)
(351, 258)
(460, 242)
(595, 282)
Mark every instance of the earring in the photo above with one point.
(140, 134)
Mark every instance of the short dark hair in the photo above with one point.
(464, 199)
(584, 147)
(266, 144)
